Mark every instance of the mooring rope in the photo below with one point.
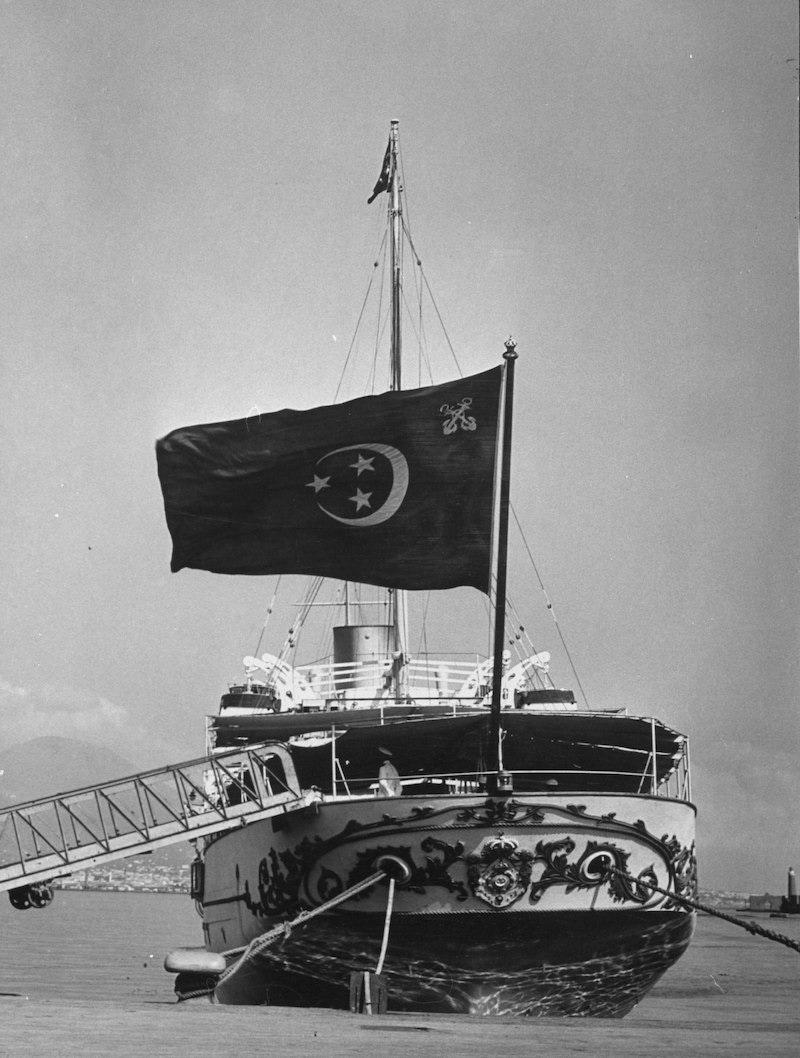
(387, 921)
(284, 930)
(751, 927)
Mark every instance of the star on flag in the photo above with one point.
(361, 499)
(363, 464)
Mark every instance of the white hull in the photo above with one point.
(495, 887)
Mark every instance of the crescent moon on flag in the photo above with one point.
(398, 490)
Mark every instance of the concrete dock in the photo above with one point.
(708, 1024)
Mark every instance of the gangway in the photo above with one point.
(53, 836)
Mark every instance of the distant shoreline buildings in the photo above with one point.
(143, 876)
(130, 876)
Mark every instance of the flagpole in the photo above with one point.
(499, 781)
(395, 214)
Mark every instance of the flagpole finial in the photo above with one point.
(511, 350)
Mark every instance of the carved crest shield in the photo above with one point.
(500, 873)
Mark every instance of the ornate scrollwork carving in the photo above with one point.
(279, 878)
(589, 871)
(683, 867)
(499, 873)
(501, 812)
(434, 872)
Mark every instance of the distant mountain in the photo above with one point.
(51, 765)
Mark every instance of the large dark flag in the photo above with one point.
(394, 489)
(382, 183)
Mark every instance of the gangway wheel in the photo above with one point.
(40, 894)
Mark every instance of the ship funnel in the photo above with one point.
(362, 655)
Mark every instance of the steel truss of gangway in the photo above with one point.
(51, 837)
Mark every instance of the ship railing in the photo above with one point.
(530, 780)
(388, 708)
(429, 677)
(444, 678)
(432, 678)
(676, 777)
(52, 836)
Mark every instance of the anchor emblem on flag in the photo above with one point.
(457, 416)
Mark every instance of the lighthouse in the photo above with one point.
(790, 904)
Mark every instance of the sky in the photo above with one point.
(186, 238)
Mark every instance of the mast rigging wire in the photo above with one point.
(360, 317)
(549, 605)
(268, 615)
(418, 260)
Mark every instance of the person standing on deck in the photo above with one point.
(389, 784)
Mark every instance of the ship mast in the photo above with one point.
(400, 608)
(499, 780)
(396, 217)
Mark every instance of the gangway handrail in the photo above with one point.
(51, 836)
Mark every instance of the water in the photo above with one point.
(732, 976)
(109, 946)
(96, 945)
